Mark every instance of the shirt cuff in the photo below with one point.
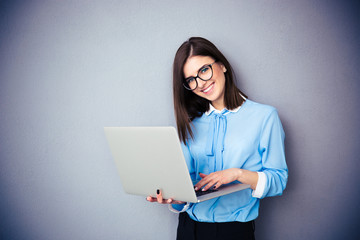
(260, 187)
(186, 206)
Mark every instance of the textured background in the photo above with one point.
(68, 68)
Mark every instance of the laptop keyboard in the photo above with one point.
(200, 193)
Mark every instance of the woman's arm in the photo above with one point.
(216, 179)
(272, 178)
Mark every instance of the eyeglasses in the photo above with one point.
(205, 73)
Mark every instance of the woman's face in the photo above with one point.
(213, 89)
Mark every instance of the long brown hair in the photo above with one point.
(188, 105)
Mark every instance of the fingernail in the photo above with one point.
(203, 189)
(169, 200)
(196, 188)
(158, 191)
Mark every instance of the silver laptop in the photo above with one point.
(151, 158)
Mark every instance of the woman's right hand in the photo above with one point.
(159, 198)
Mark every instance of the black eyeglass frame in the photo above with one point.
(197, 76)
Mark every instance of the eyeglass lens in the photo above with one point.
(205, 73)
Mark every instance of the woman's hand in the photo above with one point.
(216, 179)
(159, 199)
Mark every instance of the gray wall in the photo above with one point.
(68, 68)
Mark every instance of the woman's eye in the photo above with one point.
(190, 80)
(204, 69)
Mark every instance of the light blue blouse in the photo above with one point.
(251, 138)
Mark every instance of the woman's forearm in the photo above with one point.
(248, 177)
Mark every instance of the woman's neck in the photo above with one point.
(218, 105)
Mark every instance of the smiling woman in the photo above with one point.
(188, 104)
(212, 85)
(225, 138)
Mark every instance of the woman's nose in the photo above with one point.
(201, 83)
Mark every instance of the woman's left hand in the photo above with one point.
(216, 179)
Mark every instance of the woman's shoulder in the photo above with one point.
(257, 114)
(259, 108)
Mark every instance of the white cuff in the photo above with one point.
(260, 186)
(176, 211)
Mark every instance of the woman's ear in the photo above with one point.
(223, 68)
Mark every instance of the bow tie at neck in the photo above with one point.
(216, 132)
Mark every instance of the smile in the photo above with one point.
(206, 90)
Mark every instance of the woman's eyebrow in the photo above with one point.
(207, 64)
(199, 70)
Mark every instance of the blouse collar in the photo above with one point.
(213, 109)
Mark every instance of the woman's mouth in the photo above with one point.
(208, 89)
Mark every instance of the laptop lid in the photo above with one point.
(150, 158)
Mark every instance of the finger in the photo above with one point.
(202, 183)
(172, 201)
(217, 185)
(159, 196)
(175, 201)
(210, 184)
(199, 185)
(206, 179)
(151, 199)
(202, 175)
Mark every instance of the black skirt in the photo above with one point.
(189, 229)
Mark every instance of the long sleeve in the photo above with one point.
(178, 208)
(273, 155)
(260, 187)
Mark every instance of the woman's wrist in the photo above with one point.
(240, 176)
(248, 177)
(184, 208)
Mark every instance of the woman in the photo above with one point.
(225, 137)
